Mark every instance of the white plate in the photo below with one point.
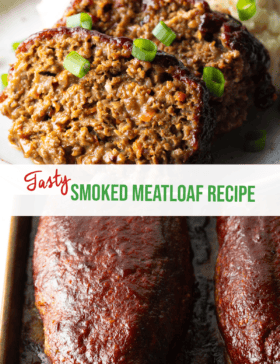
(229, 149)
(18, 21)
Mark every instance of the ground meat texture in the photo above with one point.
(123, 111)
(248, 288)
(112, 290)
(204, 38)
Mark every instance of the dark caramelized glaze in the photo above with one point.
(201, 339)
(248, 288)
(112, 289)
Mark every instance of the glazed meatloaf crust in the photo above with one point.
(112, 289)
(204, 38)
(123, 111)
(248, 288)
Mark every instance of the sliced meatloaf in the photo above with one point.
(248, 288)
(123, 111)
(204, 38)
(112, 290)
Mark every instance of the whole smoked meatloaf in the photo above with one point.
(204, 38)
(112, 290)
(123, 111)
(248, 288)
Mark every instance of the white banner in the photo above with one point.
(192, 190)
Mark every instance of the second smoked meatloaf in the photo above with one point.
(112, 290)
(204, 38)
(248, 288)
(123, 111)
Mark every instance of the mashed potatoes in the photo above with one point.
(265, 25)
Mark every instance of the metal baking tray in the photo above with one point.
(22, 335)
(13, 297)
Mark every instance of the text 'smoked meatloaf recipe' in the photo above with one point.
(247, 288)
(204, 38)
(112, 290)
(122, 111)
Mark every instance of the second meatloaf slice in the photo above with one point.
(123, 111)
(204, 38)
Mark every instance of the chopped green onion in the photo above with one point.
(215, 81)
(164, 34)
(246, 9)
(144, 49)
(82, 20)
(255, 141)
(76, 64)
(16, 44)
(4, 81)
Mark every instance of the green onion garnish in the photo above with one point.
(4, 81)
(144, 49)
(76, 64)
(215, 81)
(164, 34)
(82, 20)
(246, 9)
(16, 44)
(255, 141)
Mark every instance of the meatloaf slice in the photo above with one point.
(123, 111)
(204, 38)
(112, 290)
(248, 288)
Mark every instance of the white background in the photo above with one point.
(47, 201)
